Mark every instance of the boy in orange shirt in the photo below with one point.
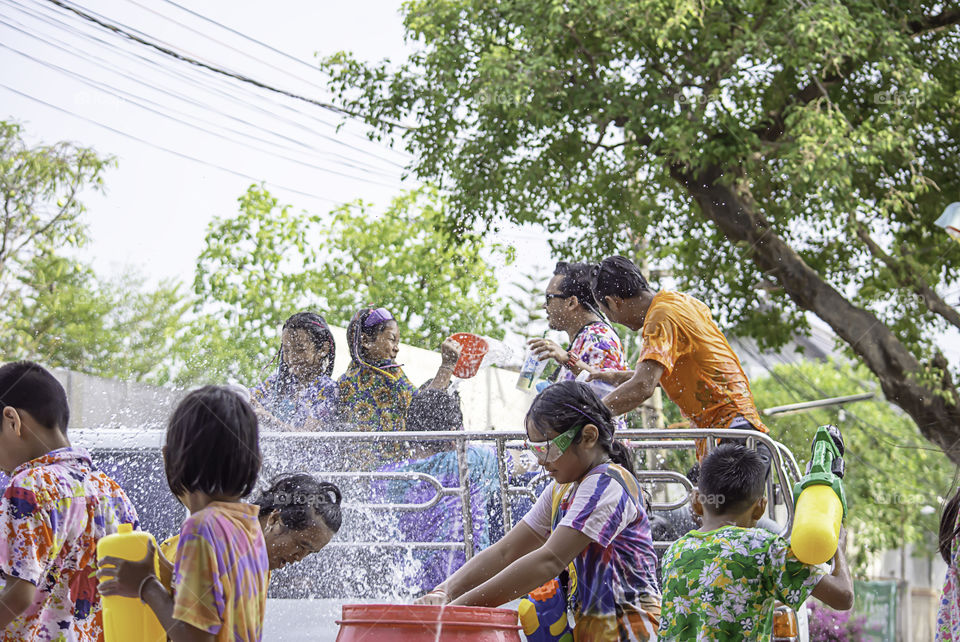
(683, 351)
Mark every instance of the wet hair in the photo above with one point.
(568, 404)
(617, 276)
(577, 281)
(213, 444)
(357, 332)
(300, 499)
(319, 332)
(30, 387)
(434, 410)
(732, 478)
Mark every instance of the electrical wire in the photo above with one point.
(134, 100)
(215, 79)
(162, 148)
(153, 44)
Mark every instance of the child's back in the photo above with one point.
(52, 514)
(221, 575)
(722, 585)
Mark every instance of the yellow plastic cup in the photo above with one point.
(127, 618)
(816, 524)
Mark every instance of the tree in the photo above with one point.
(54, 309)
(782, 157)
(895, 481)
(267, 262)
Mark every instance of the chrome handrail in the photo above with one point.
(783, 464)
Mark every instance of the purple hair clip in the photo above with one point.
(376, 317)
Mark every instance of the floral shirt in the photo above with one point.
(315, 402)
(616, 574)
(371, 401)
(598, 345)
(722, 585)
(948, 615)
(221, 573)
(52, 514)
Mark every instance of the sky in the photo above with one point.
(62, 74)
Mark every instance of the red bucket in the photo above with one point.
(421, 623)
(474, 349)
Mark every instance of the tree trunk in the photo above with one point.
(935, 411)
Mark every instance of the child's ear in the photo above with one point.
(11, 419)
(589, 435)
(759, 507)
(695, 504)
(273, 520)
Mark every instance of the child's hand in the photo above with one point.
(126, 577)
(436, 597)
(450, 352)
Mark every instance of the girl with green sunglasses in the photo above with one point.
(587, 539)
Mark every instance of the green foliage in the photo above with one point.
(54, 309)
(836, 122)
(894, 481)
(266, 263)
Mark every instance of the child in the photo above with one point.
(591, 515)
(948, 616)
(211, 458)
(55, 509)
(300, 395)
(720, 582)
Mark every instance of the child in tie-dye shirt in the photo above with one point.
(590, 525)
(212, 459)
(54, 510)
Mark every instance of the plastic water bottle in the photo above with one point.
(127, 618)
(531, 371)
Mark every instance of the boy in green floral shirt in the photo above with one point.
(721, 582)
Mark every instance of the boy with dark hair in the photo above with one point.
(721, 582)
(55, 509)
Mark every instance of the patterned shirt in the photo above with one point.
(617, 572)
(52, 514)
(371, 401)
(315, 402)
(948, 615)
(221, 573)
(598, 345)
(722, 585)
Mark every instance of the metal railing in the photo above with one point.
(785, 470)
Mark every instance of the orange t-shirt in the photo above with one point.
(701, 373)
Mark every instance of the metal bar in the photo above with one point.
(818, 403)
(433, 546)
(506, 512)
(464, 475)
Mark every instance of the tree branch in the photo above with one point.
(930, 24)
(908, 279)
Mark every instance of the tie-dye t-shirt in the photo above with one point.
(722, 585)
(53, 512)
(303, 408)
(220, 577)
(616, 596)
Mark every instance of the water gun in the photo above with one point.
(543, 614)
(819, 500)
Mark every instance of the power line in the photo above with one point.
(193, 61)
(133, 101)
(229, 95)
(165, 149)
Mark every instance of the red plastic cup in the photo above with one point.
(473, 350)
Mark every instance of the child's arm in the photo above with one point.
(836, 590)
(136, 579)
(519, 541)
(17, 596)
(530, 571)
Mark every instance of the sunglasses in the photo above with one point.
(378, 316)
(547, 297)
(549, 451)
